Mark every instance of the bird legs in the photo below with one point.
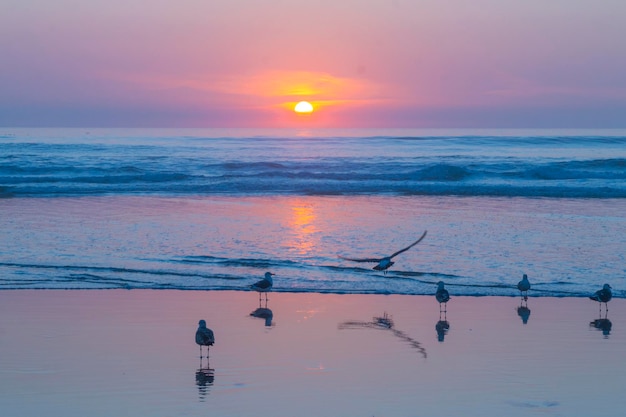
(606, 309)
(444, 310)
(207, 352)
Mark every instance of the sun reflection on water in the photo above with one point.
(303, 227)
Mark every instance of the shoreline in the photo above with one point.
(69, 353)
(617, 295)
(226, 243)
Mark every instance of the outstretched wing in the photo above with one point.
(376, 260)
(410, 246)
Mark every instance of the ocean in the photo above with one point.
(213, 209)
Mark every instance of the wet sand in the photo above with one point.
(132, 353)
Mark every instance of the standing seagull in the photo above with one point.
(523, 286)
(603, 296)
(442, 295)
(385, 263)
(204, 337)
(265, 285)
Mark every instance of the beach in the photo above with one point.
(159, 159)
(128, 353)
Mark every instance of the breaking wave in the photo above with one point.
(232, 274)
(533, 167)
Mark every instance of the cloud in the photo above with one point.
(269, 88)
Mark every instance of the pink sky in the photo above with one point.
(362, 63)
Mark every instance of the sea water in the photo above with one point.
(214, 209)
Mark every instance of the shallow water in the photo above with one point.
(216, 208)
(477, 245)
(102, 353)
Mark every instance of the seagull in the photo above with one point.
(264, 285)
(204, 337)
(385, 263)
(523, 286)
(442, 295)
(603, 296)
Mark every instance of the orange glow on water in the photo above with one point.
(303, 227)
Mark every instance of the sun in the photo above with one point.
(303, 107)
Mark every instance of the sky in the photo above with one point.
(361, 63)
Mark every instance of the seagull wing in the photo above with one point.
(410, 246)
(376, 260)
(205, 337)
(263, 284)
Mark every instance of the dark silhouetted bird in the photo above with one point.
(264, 286)
(603, 296)
(204, 337)
(523, 286)
(442, 295)
(385, 263)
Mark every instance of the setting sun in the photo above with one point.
(303, 107)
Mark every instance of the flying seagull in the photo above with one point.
(204, 337)
(264, 285)
(384, 263)
(523, 286)
(603, 296)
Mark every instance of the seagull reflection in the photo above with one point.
(204, 379)
(442, 328)
(264, 313)
(524, 312)
(384, 322)
(602, 324)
